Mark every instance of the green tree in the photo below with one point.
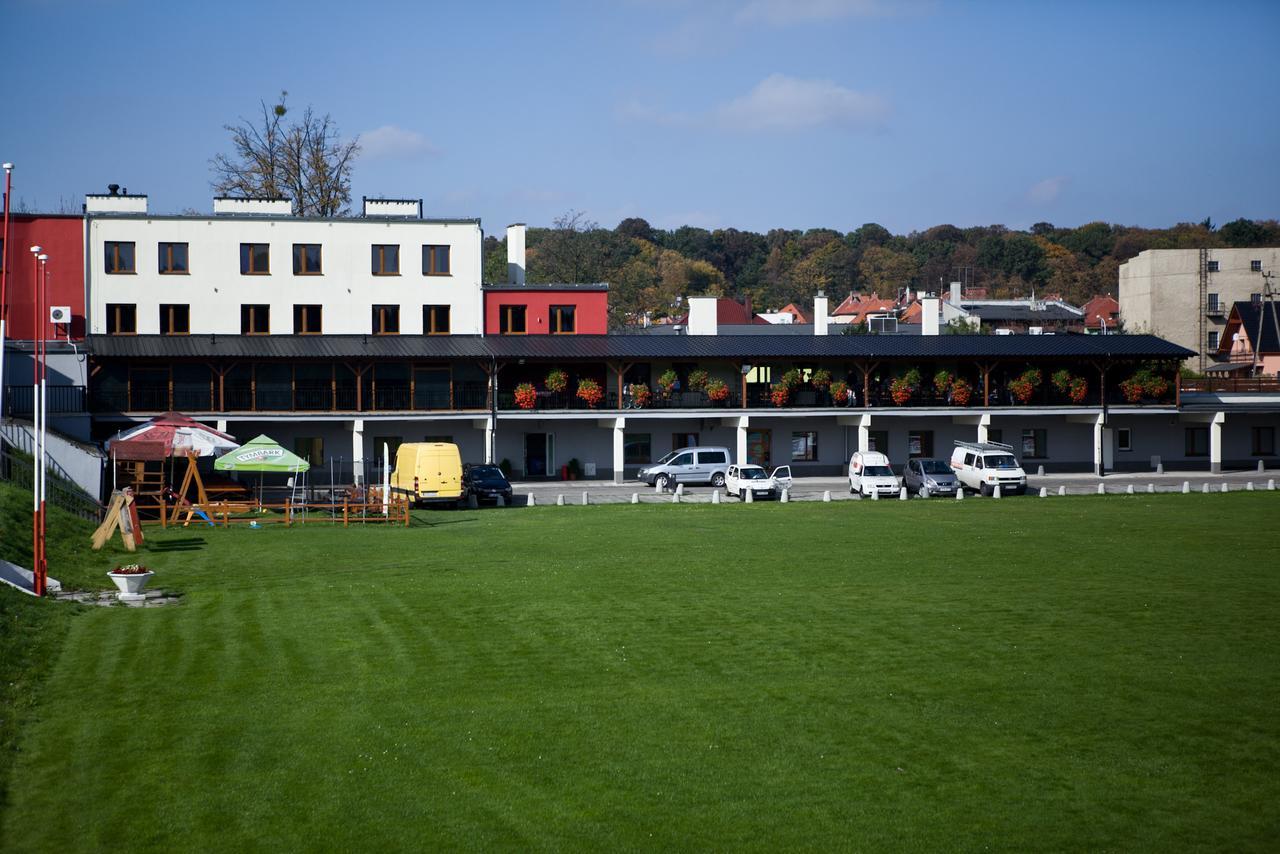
(883, 271)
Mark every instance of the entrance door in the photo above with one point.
(539, 454)
(759, 446)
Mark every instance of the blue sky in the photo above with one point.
(753, 114)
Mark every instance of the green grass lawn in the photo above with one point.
(1080, 673)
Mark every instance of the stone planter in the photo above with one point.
(131, 584)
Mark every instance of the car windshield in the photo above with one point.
(935, 467)
(1001, 461)
(877, 471)
(668, 458)
(752, 474)
(488, 475)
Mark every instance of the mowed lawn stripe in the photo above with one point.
(1022, 674)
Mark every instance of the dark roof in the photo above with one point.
(609, 347)
(1250, 313)
(1021, 313)
(571, 286)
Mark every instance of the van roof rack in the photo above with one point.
(985, 446)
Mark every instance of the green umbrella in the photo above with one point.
(262, 454)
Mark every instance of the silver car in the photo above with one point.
(688, 465)
(926, 476)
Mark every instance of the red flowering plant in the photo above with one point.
(821, 379)
(526, 396)
(791, 379)
(942, 382)
(557, 381)
(839, 392)
(590, 392)
(667, 381)
(641, 394)
(1144, 383)
(961, 392)
(131, 569)
(698, 380)
(718, 390)
(1078, 390)
(901, 388)
(1025, 385)
(779, 394)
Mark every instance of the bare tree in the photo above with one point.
(307, 161)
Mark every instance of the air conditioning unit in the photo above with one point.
(59, 314)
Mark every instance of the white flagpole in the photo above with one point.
(386, 481)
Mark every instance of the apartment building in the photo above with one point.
(1185, 295)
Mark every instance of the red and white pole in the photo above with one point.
(35, 414)
(4, 271)
(42, 566)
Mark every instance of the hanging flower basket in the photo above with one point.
(779, 394)
(821, 379)
(557, 381)
(526, 396)
(668, 382)
(902, 388)
(641, 394)
(718, 390)
(590, 392)
(1024, 387)
(1078, 390)
(790, 379)
(961, 392)
(1144, 383)
(839, 393)
(942, 382)
(698, 380)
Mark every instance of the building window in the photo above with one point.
(920, 443)
(1124, 439)
(386, 320)
(878, 440)
(1264, 441)
(1197, 441)
(1213, 340)
(255, 259)
(1255, 266)
(435, 260)
(512, 320)
(683, 440)
(1214, 307)
(119, 256)
(1213, 266)
(122, 318)
(759, 447)
(1255, 299)
(306, 320)
(175, 319)
(310, 448)
(804, 447)
(562, 320)
(1035, 443)
(173, 259)
(386, 259)
(306, 259)
(637, 448)
(255, 319)
(435, 319)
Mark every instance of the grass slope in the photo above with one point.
(1075, 673)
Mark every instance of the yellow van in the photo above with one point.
(428, 472)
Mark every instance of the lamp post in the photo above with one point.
(4, 272)
(41, 571)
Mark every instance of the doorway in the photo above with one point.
(539, 454)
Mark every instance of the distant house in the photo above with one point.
(1102, 313)
(856, 307)
(1252, 327)
(730, 312)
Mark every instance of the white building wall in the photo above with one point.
(347, 288)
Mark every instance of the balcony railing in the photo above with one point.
(60, 399)
(1247, 385)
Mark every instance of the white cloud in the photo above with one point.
(390, 141)
(1047, 190)
(782, 103)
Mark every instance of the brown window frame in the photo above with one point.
(115, 314)
(300, 255)
(505, 313)
(429, 317)
(248, 316)
(379, 260)
(111, 257)
(381, 313)
(555, 316)
(164, 259)
(169, 314)
(301, 312)
(247, 267)
(431, 259)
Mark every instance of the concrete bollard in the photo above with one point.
(1151, 488)
(959, 493)
(1044, 492)
(679, 489)
(1205, 489)
(749, 496)
(585, 500)
(826, 496)
(1248, 487)
(560, 500)
(1128, 489)
(1261, 467)
(1271, 485)
(1224, 488)
(785, 498)
(902, 494)
(473, 503)
(715, 496)
(657, 486)
(501, 502)
(1159, 468)
(875, 495)
(1040, 471)
(530, 502)
(675, 497)
(635, 498)
(1102, 489)
(1186, 487)
(995, 493)
(1062, 490)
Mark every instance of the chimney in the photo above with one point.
(114, 200)
(820, 314)
(702, 315)
(515, 253)
(955, 293)
(930, 309)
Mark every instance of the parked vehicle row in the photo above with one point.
(976, 466)
(739, 480)
(433, 473)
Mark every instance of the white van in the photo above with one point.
(981, 465)
(869, 471)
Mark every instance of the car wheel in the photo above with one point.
(661, 481)
(742, 495)
(717, 480)
(985, 490)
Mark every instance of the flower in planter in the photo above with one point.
(526, 396)
(717, 390)
(961, 392)
(790, 379)
(902, 388)
(557, 381)
(839, 392)
(1025, 385)
(668, 381)
(1078, 389)
(779, 394)
(1062, 380)
(698, 380)
(589, 391)
(821, 379)
(641, 394)
(942, 382)
(131, 569)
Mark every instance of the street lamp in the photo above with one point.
(4, 272)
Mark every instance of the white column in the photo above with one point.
(619, 448)
(485, 425)
(741, 449)
(1099, 446)
(984, 422)
(1215, 442)
(357, 450)
(864, 432)
(221, 426)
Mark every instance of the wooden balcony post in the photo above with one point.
(1177, 387)
(986, 384)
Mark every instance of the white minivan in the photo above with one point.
(870, 472)
(688, 465)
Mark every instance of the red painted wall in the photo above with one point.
(591, 317)
(62, 238)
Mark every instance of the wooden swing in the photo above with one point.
(122, 513)
(202, 497)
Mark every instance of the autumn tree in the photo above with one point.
(305, 161)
